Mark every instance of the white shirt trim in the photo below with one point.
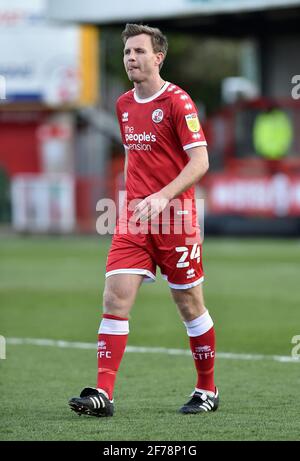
(154, 96)
(195, 144)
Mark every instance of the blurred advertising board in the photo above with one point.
(274, 196)
(43, 203)
(43, 61)
(254, 149)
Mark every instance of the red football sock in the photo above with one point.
(112, 339)
(203, 350)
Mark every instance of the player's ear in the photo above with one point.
(159, 57)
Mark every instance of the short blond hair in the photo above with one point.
(158, 40)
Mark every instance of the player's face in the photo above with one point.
(140, 61)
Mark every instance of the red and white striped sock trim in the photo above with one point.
(113, 325)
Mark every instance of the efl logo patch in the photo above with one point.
(192, 122)
(157, 115)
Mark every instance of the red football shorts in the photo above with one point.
(178, 254)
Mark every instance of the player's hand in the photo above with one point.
(150, 207)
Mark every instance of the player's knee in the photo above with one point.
(189, 305)
(116, 303)
(187, 308)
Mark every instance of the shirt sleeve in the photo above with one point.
(120, 117)
(186, 120)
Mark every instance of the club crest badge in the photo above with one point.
(157, 115)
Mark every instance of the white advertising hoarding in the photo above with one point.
(43, 203)
(39, 60)
(96, 11)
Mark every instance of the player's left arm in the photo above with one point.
(196, 167)
(191, 173)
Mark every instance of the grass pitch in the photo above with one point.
(51, 288)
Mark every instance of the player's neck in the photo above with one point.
(147, 89)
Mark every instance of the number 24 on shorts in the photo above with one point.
(195, 254)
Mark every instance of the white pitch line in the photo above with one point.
(148, 350)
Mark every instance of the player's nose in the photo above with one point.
(131, 54)
(131, 62)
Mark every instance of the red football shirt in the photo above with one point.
(157, 132)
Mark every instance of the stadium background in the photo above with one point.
(60, 152)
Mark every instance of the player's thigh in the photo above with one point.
(189, 301)
(120, 292)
